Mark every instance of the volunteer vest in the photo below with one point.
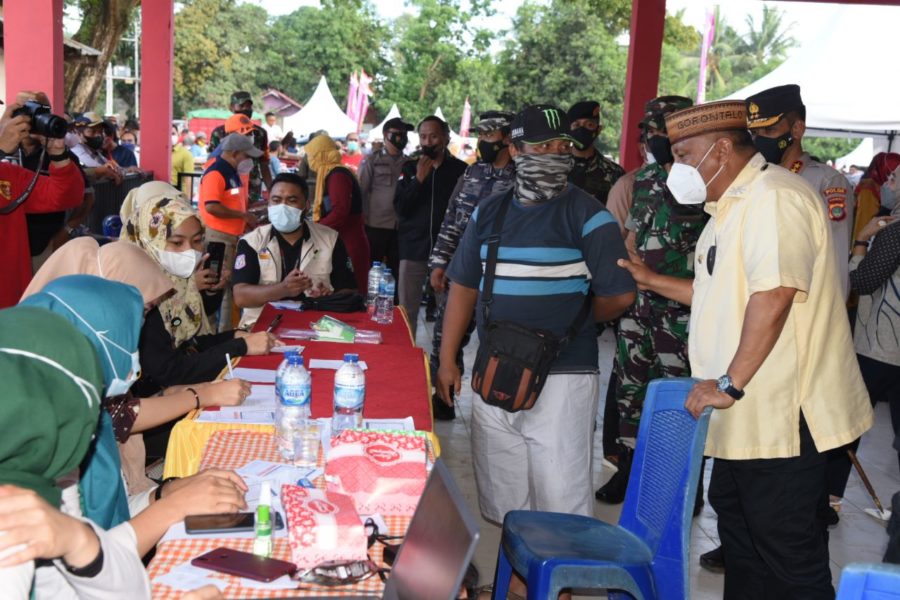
(315, 259)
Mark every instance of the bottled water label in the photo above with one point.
(349, 397)
(296, 394)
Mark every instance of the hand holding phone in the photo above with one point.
(215, 258)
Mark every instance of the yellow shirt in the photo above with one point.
(770, 230)
(182, 162)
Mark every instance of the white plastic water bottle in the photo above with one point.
(375, 275)
(384, 304)
(349, 395)
(293, 386)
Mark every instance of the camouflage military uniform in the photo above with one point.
(652, 340)
(479, 181)
(596, 175)
(261, 141)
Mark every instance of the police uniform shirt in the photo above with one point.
(840, 205)
(249, 272)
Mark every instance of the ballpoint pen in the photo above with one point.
(274, 323)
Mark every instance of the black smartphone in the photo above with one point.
(244, 564)
(216, 252)
(229, 523)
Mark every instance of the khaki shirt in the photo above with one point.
(840, 206)
(770, 230)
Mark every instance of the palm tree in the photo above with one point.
(771, 40)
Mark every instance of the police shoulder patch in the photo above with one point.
(240, 262)
(837, 208)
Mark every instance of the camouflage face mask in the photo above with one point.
(540, 177)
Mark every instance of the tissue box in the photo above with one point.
(383, 472)
(322, 526)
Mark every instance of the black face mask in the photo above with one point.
(94, 142)
(399, 140)
(431, 152)
(248, 112)
(661, 149)
(583, 137)
(488, 151)
(773, 149)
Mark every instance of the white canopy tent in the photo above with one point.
(842, 77)
(320, 112)
(860, 156)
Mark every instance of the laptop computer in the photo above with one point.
(439, 543)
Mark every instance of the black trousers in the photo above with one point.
(383, 246)
(434, 361)
(883, 384)
(775, 545)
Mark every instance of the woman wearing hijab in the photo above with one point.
(51, 382)
(126, 263)
(338, 204)
(868, 192)
(109, 314)
(177, 342)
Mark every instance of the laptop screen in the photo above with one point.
(439, 544)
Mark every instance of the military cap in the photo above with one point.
(724, 115)
(768, 106)
(586, 109)
(493, 120)
(655, 110)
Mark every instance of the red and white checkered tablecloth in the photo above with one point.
(232, 449)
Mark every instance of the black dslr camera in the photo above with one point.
(43, 122)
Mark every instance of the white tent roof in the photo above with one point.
(440, 114)
(320, 112)
(844, 83)
(375, 134)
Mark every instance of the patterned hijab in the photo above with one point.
(51, 392)
(155, 214)
(116, 261)
(323, 156)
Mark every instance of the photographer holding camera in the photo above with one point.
(48, 231)
(24, 192)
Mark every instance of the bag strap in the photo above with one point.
(493, 249)
(578, 322)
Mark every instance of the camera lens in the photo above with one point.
(49, 125)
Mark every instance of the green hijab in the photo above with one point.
(50, 402)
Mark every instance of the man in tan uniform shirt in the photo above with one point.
(770, 341)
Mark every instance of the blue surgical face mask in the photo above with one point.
(284, 218)
(118, 385)
(127, 146)
(888, 198)
(352, 146)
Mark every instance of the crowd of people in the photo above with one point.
(730, 255)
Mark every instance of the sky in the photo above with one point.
(805, 18)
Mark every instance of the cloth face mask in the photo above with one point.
(540, 177)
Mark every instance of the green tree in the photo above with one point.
(564, 52)
(335, 40)
(439, 58)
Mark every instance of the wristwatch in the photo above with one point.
(725, 385)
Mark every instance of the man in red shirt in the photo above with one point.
(62, 189)
(353, 156)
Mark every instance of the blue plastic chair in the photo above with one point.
(864, 581)
(647, 554)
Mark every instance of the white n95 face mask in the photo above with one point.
(179, 264)
(245, 166)
(686, 183)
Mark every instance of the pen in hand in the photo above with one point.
(274, 323)
(228, 363)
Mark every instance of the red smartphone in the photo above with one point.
(244, 564)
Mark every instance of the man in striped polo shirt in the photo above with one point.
(557, 245)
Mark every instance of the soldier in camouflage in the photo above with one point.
(593, 172)
(242, 103)
(652, 336)
(494, 173)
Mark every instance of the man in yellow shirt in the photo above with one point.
(182, 162)
(769, 339)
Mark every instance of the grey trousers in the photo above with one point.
(410, 283)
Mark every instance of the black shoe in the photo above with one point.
(698, 505)
(613, 491)
(441, 411)
(713, 561)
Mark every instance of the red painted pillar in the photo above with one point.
(157, 58)
(33, 48)
(648, 18)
